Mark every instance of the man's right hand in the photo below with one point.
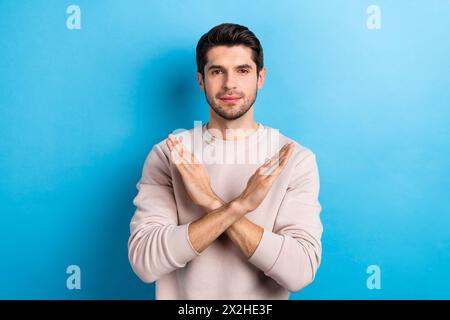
(261, 181)
(194, 175)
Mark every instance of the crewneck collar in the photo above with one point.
(253, 137)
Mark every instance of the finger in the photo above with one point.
(278, 162)
(268, 168)
(285, 148)
(188, 157)
(286, 154)
(175, 151)
(276, 158)
(270, 161)
(176, 157)
(281, 152)
(169, 143)
(282, 163)
(176, 145)
(174, 140)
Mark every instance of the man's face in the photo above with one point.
(231, 81)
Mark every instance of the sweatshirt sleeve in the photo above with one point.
(291, 254)
(157, 244)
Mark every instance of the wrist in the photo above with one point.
(239, 205)
(214, 204)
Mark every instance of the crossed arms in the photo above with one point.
(290, 254)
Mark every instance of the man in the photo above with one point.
(210, 227)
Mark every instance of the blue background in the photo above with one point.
(81, 109)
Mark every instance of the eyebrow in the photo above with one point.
(215, 66)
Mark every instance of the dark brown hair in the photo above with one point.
(228, 34)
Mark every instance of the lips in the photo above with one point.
(230, 98)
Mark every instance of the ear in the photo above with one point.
(200, 81)
(261, 77)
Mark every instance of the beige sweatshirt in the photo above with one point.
(289, 253)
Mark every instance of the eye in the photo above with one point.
(217, 71)
(243, 71)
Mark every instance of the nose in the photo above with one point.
(229, 82)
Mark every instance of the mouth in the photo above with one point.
(230, 99)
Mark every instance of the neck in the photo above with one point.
(233, 129)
